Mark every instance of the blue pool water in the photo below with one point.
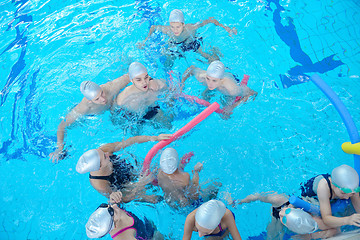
(289, 133)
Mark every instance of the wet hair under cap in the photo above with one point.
(345, 176)
(89, 89)
(135, 69)
(169, 160)
(299, 221)
(216, 70)
(209, 214)
(88, 162)
(99, 224)
(176, 15)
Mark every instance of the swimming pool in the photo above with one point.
(287, 135)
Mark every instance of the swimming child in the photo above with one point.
(211, 219)
(285, 214)
(343, 183)
(120, 224)
(183, 36)
(109, 173)
(140, 97)
(215, 78)
(97, 99)
(179, 190)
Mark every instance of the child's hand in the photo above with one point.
(198, 167)
(354, 220)
(163, 137)
(146, 178)
(231, 31)
(213, 20)
(226, 113)
(140, 45)
(115, 197)
(234, 30)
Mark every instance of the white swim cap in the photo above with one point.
(299, 221)
(88, 162)
(169, 160)
(135, 69)
(176, 15)
(345, 176)
(89, 89)
(216, 70)
(99, 224)
(209, 214)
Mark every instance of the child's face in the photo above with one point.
(341, 194)
(177, 28)
(141, 82)
(203, 231)
(100, 98)
(213, 83)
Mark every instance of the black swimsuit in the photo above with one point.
(276, 210)
(144, 229)
(188, 44)
(122, 173)
(307, 190)
(151, 112)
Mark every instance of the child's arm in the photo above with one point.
(114, 147)
(188, 72)
(355, 200)
(162, 28)
(245, 96)
(117, 84)
(274, 198)
(216, 22)
(189, 225)
(103, 187)
(323, 193)
(324, 234)
(77, 112)
(230, 223)
(194, 187)
(191, 71)
(158, 85)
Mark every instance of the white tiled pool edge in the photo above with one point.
(352, 235)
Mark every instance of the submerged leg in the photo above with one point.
(211, 191)
(210, 57)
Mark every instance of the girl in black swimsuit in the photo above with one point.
(109, 174)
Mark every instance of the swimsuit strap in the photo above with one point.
(326, 176)
(100, 177)
(125, 228)
(220, 227)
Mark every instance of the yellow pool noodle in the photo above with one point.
(351, 148)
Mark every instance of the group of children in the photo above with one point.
(118, 180)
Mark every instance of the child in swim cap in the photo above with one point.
(211, 219)
(97, 99)
(179, 189)
(215, 78)
(343, 183)
(110, 173)
(116, 221)
(183, 37)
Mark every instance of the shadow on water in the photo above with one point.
(288, 35)
(32, 140)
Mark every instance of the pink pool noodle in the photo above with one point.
(204, 114)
